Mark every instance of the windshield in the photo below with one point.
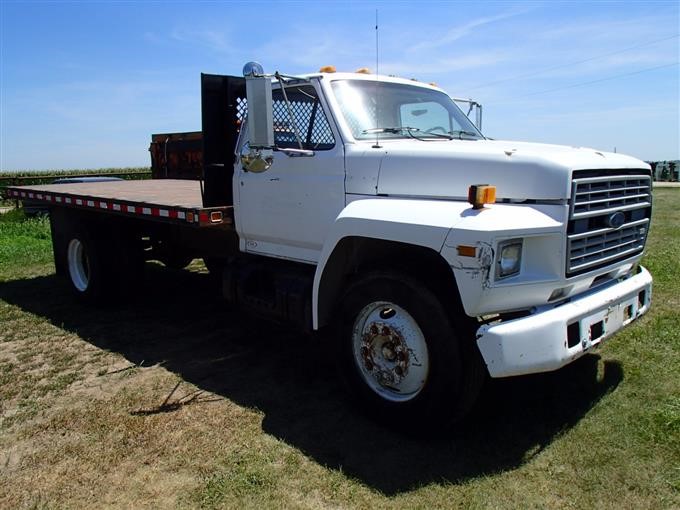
(403, 111)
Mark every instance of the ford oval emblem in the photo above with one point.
(616, 220)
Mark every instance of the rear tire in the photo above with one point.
(85, 268)
(99, 260)
(401, 355)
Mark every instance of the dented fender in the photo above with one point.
(541, 229)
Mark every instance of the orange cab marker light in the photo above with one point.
(363, 70)
(480, 194)
(327, 69)
(467, 251)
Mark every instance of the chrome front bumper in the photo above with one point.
(552, 337)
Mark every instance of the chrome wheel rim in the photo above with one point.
(390, 351)
(78, 265)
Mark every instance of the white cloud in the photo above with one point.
(212, 39)
(444, 65)
(461, 31)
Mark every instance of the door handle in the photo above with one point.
(274, 179)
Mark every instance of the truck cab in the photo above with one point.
(368, 174)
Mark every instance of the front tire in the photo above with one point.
(401, 354)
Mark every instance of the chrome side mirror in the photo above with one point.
(254, 160)
(260, 110)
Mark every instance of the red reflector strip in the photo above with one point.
(189, 216)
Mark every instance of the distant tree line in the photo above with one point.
(665, 170)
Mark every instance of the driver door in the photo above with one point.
(287, 210)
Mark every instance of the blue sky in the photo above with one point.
(84, 84)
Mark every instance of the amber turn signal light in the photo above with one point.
(466, 251)
(480, 194)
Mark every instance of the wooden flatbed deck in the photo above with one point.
(168, 200)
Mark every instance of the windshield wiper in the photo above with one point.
(392, 130)
(419, 134)
(409, 130)
(461, 132)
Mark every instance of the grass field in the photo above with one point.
(168, 400)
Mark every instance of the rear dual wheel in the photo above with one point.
(86, 267)
(98, 260)
(78, 265)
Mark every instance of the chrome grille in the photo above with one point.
(599, 195)
(593, 239)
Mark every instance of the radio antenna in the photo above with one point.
(377, 96)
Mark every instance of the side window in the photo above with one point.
(312, 124)
(429, 116)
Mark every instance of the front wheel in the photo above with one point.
(401, 354)
(390, 351)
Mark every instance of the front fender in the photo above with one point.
(424, 223)
(541, 227)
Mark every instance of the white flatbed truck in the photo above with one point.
(352, 202)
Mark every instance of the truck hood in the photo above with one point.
(445, 169)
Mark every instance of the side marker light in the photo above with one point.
(466, 251)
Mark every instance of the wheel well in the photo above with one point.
(356, 255)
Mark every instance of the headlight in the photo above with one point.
(509, 258)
